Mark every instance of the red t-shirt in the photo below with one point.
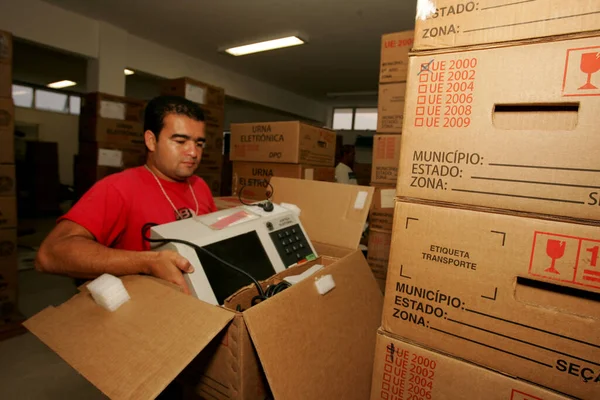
(116, 208)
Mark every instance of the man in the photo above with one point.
(102, 233)
(343, 171)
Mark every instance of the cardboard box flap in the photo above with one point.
(137, 350)
(332, 213)
(316, 346)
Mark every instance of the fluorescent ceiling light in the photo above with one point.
(128, 72)
(264, 46)
(61, 84)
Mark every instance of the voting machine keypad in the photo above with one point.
(291, 244)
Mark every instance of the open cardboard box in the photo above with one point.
(309, 345)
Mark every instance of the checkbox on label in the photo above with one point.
(418, 121)
(421, 99)
(422, 88)
(420, 111)
(424, 78)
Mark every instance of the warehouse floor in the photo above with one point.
(30, 370)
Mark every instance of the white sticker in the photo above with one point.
(110, 158)
(195, 93)
(387, 198)
(309, 174)
(425, 9)
(112, 110)
(360, 201)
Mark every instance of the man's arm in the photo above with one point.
(71, 250)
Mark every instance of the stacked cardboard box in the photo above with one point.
(494, 253)
(212, 100)
(111, 138)
(9, 315)
(289, 149)
(296, 345)
(386, 147)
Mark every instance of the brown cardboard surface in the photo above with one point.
(8, 246)
(213, 180)
(386, 157)
(8, 181)
(333, 362)
(132, 155)
(363, 172)
(7, 128)
(8, 270)
(481, 286)
(327, 209)
(510, 138)
(5, 79)
(95, 129)
(132, 341)
(390, 107)
(92, 105)
(199, 92)
(402, 369)
(6, 47)
(8, 212)
(454, 24)
(214, 118)
(9, 284)
(284, 142)
(233, 363)
(254, 176)
(378, 253)
(381, 216)
(228, 368)
(393, 65)
(227, 202)
(212, 159)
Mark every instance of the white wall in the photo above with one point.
(237, 111)
(47, 24)
(55, 127)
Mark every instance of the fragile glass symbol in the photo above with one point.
(555, 249)
(590, 64)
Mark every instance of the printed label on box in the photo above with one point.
(518, 395)
(566, 259)
(445, 93)
(110, 158)
(195, 93)
(112, 110)
(581, 72)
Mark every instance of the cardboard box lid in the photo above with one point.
(331, 213)
(128, 353)
(314, 346)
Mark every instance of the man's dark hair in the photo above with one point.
(159, 107)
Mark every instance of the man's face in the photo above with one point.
(179, 149)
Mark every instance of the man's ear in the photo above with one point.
(150, 140)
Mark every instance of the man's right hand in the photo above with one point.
(170, 266)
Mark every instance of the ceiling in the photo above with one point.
(342, 53)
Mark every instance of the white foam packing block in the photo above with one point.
(324, 284)
(109, 292)
(300, 277)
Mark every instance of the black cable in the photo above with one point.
(267, 206)
(149, 225)
(272, 290)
